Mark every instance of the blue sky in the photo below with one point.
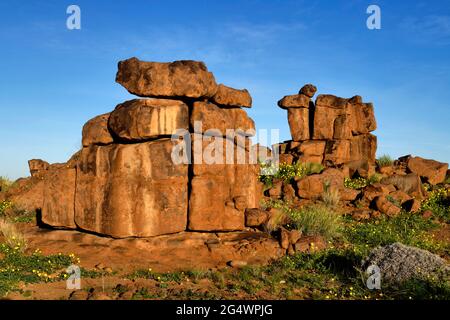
(53, 79)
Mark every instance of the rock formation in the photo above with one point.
(331, 130)
(125, 183)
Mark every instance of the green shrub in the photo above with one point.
(5, 205)
(356, 183)
(438, 202)
(5, 184)
(287, 172)
(384, 161)
(330, 196)
(13, 238)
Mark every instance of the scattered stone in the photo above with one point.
(386, 207)
(412, 205)
(255, 217)
(294, 236)
(312, 187)
(427, 214)
(433, 171)
(237, 264)
(284, 238)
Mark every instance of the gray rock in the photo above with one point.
(399, 263)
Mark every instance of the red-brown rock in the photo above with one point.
(433, 171)
(143, 119)
(298, 119)
(312, 187)
(255, 217)
(59, 197)
(294, 101)
(96, 131)
(386, 207)
(38, 167)
(209, 117)
(183, 78)
(409, 183)
(131, 190)
(308, 90)
(226, 96)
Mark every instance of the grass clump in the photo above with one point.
(12, 237)
(330, 196)
(384, 161)
(5, 205)
(5, 184)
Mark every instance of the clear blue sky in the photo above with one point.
(53, 80)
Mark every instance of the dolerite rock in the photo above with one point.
(310, 151)
(385, 206)
(331, 118)
(38, 167)
(96, 131)
(143, 119)
(433, 171)
(298, 119)
(59, 193)
(184, 78)
(308, 90)
(361, 147)
(131, 190)
(209, 117)
(339, 118)
(294, 101)
(227, 96)
(312, 187)
(399, 263)
(221, 188)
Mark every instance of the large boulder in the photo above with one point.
(183, 78)
(226, 96)
(331, 118)
(362, 116)
(131, 190)
(294, 101)
(358, 148)
(96, 131)
(298, 119)
(399, 263)
(59, 195)
(432, 171)
(143, 119)
(221, 189)
(209, 117)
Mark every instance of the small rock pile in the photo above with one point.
(125, 183)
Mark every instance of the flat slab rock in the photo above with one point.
(175, 252)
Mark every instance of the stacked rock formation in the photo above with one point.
(125, 183)
(332, 131)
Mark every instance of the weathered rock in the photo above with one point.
(377, 189)
(337, 152)
(286, 158)
(347, 194)
(284, 238)
(295, 101)
(227, 96)
(361, 118)
(433, 171)
(386, 207)
(216, 190)
(298, 119)
(183, 78)
(294, 236)
(312, 187)
(399, 263)
(143, 119)
(38, 167)
(288, 192)
(255, 217)
(308, 90)
(59, 196)
(312, 148)
(27, 194)
(359, 148)
(400, 196)
(96, 131)
(409, 183)
(237, 264)
(412, 205)
(276, 190)
(207, 118)
(331, 118)
(131, 190)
